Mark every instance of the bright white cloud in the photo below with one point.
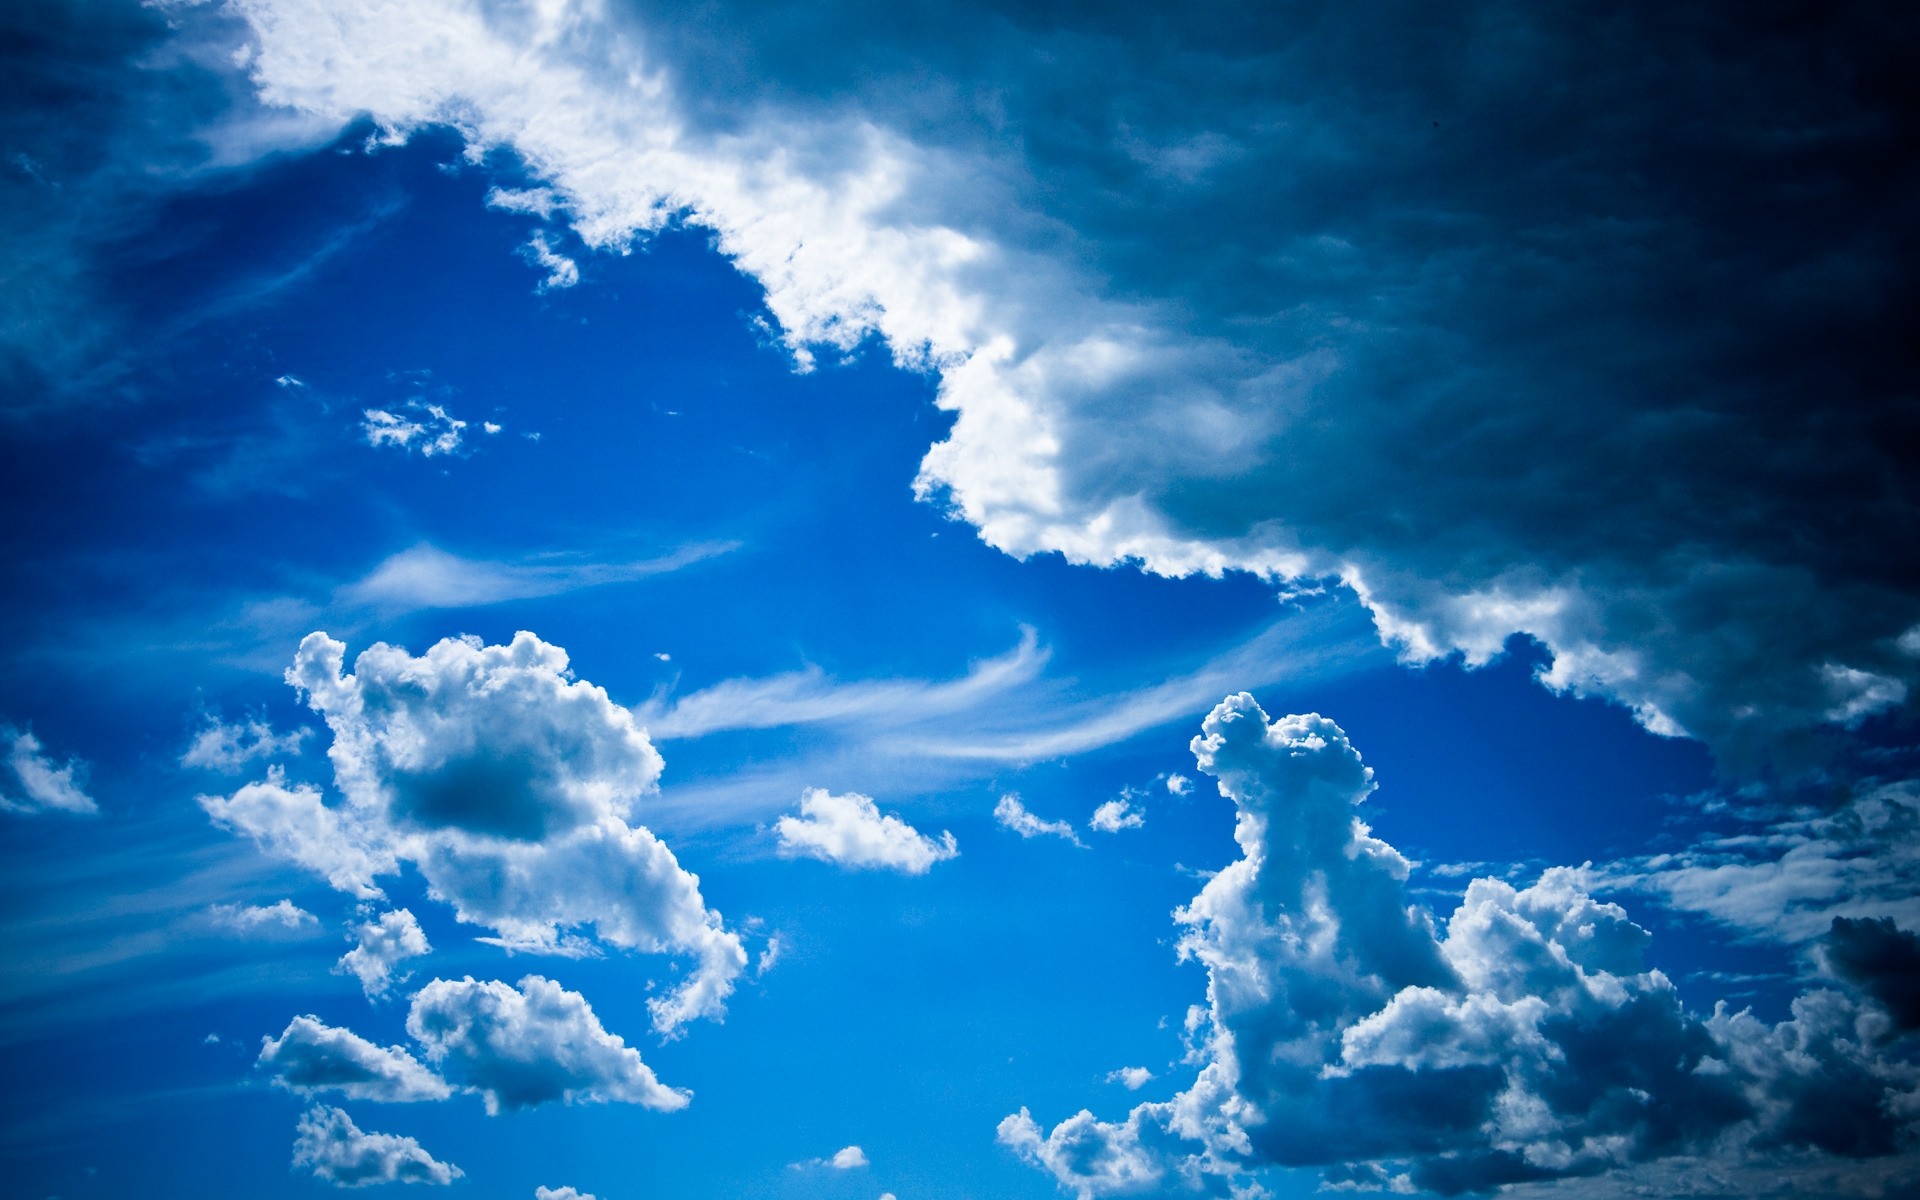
(1179, 785)
(44, 785)
(220, 746)
(247, 920)
(382, 945)
(1011, 813)
(1115, 815)
(426, 576)
(1528, 1042)
(337, 1151)
(509, 785)
(427, 429)
(846, 1158)
(562, 272)
(562, 1193)
(1131, 1078)
(533, 1044)
(850, 830)
(310, 1056)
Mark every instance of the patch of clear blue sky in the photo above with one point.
(170, 542)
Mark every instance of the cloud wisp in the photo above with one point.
(42, 784)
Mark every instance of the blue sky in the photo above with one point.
(651, 601)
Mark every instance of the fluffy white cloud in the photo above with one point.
(1115, 815)
(336, 1150)
(1131, 1078)
(1528, 1042)
(220, 746)
(45, 786)
(846, 1158)
(1325, 390)
(510, 785)
(428, 429)
(531, 1045)
(382, 945)
(562, 1193)
(562, 272)
(1011, 813)
(310, 1056)
(851, 830)
(247, 919)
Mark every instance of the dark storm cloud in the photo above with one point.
(1882, 960)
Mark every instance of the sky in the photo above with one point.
(617, 601)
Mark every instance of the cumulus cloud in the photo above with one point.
(846, 1158)
(510, 785)
(426, 429)
(562, 1193)
(282, 916)
(1131, 1078)
(533, 1044)
(310, 1056)
(337, 1151)
(850, 830)
(382, 945)
(1115, 815)
(1525, 1042)
(44, 785)
(1011, 813)
(220, 746)
(1178, 784)
(1369, 259)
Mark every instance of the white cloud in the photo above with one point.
(561, 1193)
(509, 785)
(850, 830)
(1529, 1042)
(336, 1150)
(846, 1158)
(531, 1045)
(310, 1056)
(427, 428)
(769, 956)
(45, 786)
(383, 944)
(562, 272)
(1115, 815)
(283, 916)
(1131, 1078)
(426, 576)
(1179, 785)
(1011, 813)
(220, 746)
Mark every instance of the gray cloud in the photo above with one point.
(311, 1056)
(533, 1044)
(337, 1151)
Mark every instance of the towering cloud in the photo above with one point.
(1508, 325)
(1527, 1041)
(511, 786)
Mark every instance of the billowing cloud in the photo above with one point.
(380, 946)
(1115, 815)
(1301, 321)
(1526, 1042)
(533, 1044)
(425, 429)
(1013, 814)
(337, 1151)
(310, 1056)
(851, 830)
(43, 785)
(510, 785)
(220, 746)
(282, 916)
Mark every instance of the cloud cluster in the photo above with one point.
(1014, 815)
(1301, 321)
(1525, 1041)
(532, 1044)
(427, 429)
(44, 785)
(311, 1056)
(511, 787)
(1115, 815)
(851, 830)
(380, 946)
(337, 1151)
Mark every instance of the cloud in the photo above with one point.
(562, 272)
(425, 576)
(1526, 1042)
(392, 939)
(1372, 249)
(1882, 960)
(846, 1158)
(223, 747)
(1115, 815)
(851, 831)
(310, 1056)
(520, 1047)
(1131, 1078)
(1014, 815)
(509, 785)
(338, 1152)
(430, 430)
(1179, 785)
(44, 786)
(561, 1193)
(248, 920)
